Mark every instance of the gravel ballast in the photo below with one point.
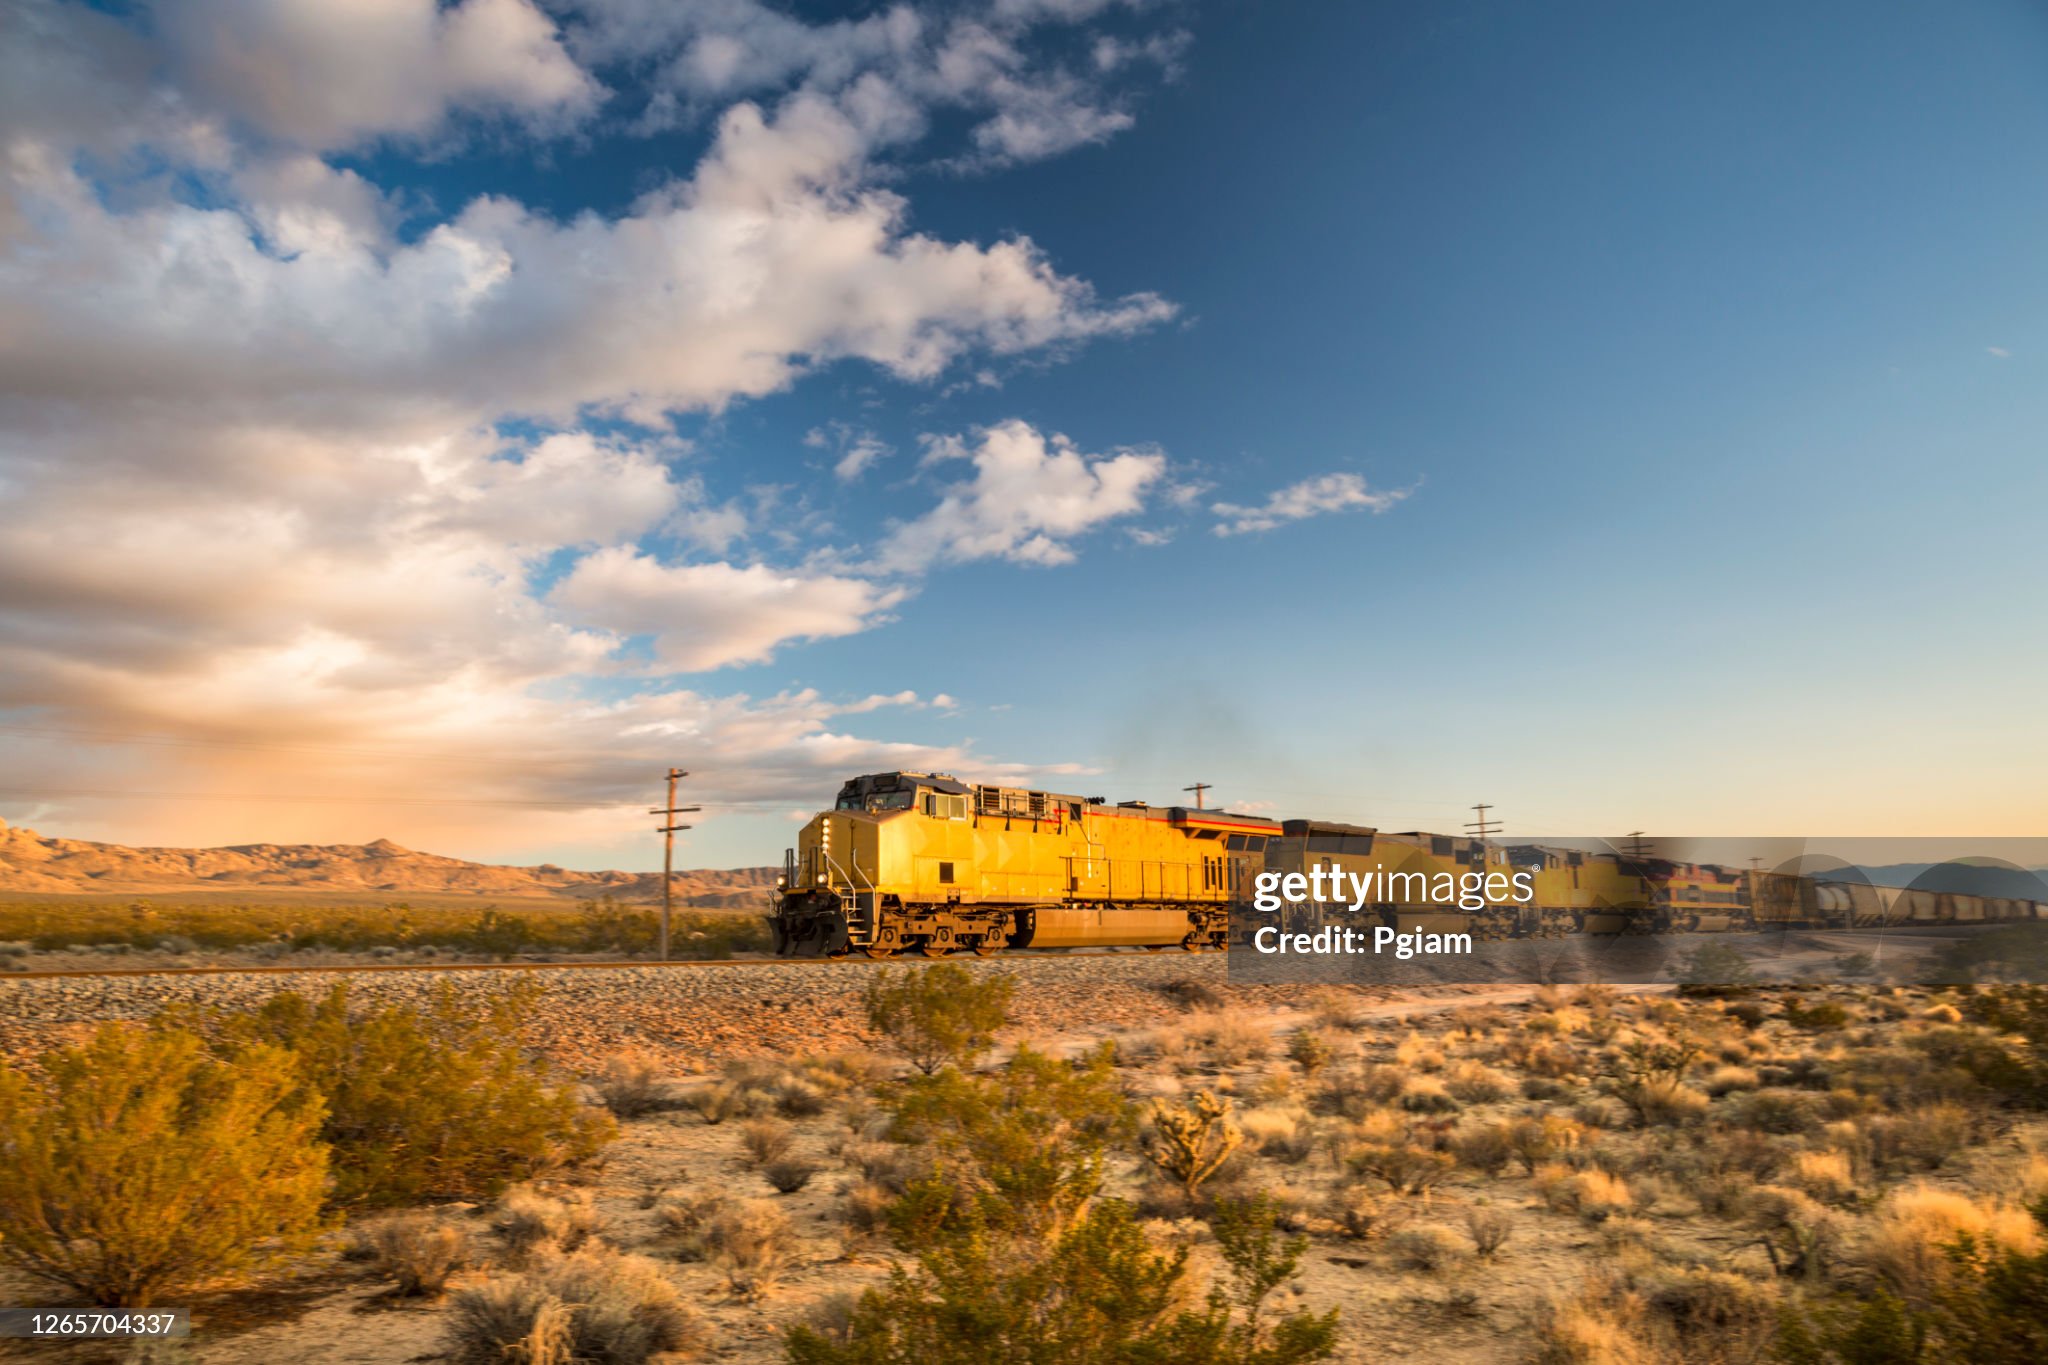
(694, 1015)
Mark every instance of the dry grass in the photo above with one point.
(419, 1252)
(1910, 1235)
(591, 1305)
(632, 1085)
(528, 1222)
(1231, 1037)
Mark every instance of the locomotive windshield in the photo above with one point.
(877, 801)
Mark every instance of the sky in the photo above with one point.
(433, 422)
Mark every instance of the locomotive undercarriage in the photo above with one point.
(818, 924)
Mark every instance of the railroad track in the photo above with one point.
(1019, 954)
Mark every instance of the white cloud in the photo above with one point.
(858, 449)
(706, 616)
(726, 287)
(1999, 351)
(1029, 497)
(326, 74)
(906, 699)
(1309, 498)
(978, 58)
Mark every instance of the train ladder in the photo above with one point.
(860, 923)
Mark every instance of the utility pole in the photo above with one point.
(668, 853)
(1198, 789)
(1636, 847)
(1482, 828)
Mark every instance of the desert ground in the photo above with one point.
(1497, 1174)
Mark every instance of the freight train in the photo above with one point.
(910, 862)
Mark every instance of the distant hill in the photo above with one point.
(1962, 878)
(35, 864)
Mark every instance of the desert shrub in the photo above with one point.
(749, 1243)
(798, 1098)
(1603, 1111)
(525, 1221)
(1798, 1234)
(632, 1085)
(1191, 1141)
(1726, 1080)
(867, 1206)
(1475, 1083)
(765, 1140)
(1987, 1304)
(1427, 1249)
(1488, 1148)
(1405, 1167)
(1280, 1134)
(596, 1305)
(1825, 1175)
(1920, 1139)
(887, 1164)
(1309, 1050)
(941, 1014)
(137, 1165)
(1593, 1194)
(717, 1103)
(432, 1102)
(1658, 1099)
(1732, 1316)
(832, 1318)
(1545, 1058)
(682, 1215)
(1913, 1231)
(1602, 1324)
(788, 1174)
(1419, 1052)
(418, 1251)
(1536, 1139)
(1098, 1290)
(1820, 1016)
(1625, 1233)
(1191, 994)
(1426, 1095)
(1230, 1037)
(1489, 1228)
(1365, 1214)
(1355, 1091)
(1739, 1151)
(1777, 1111)
(1021, 1148)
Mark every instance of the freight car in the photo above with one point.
(925, 863)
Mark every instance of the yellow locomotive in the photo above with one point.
(922, 862)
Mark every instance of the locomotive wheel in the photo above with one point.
(878, 951)
(988, 945)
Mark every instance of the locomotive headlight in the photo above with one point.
(821, 879)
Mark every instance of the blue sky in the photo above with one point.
(1682, 368)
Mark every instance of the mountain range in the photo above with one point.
(33, 864)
